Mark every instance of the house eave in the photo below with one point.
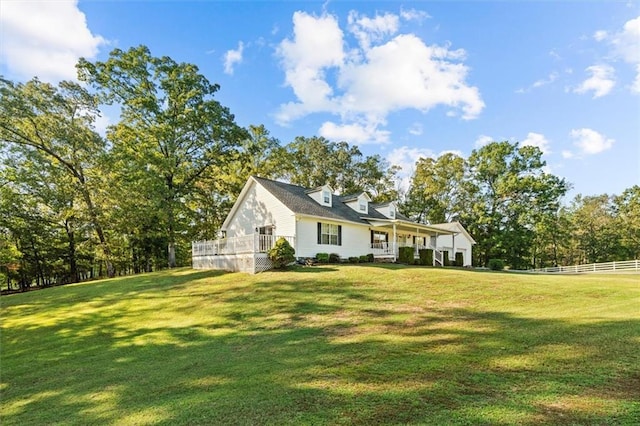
(404, 223)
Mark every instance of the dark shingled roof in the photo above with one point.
(296, 198)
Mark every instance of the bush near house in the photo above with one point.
(426, 257)
(322, 257)
(364, 258)
(496, 264)
(405, 255)
(282, 254)
(354, 259)
(334, 258)
(370, 258)
(445, 258)
(459, 259)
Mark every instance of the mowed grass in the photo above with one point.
(325, 345)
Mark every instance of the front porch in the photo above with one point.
(388, 236)
(391, 251)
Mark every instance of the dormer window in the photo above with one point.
(326, 197)
(392, 213)
(363, 206)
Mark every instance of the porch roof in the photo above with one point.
(408, 226)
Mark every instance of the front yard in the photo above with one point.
(377, 344)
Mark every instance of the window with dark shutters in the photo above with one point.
(329, 233)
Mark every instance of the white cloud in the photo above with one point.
(416, 129)
(414, 15)
(45, 39)
(590, 142)
(626, 45)
(567, 154)
(600, 35)
(386, 72)
(601, 81)
(353, 133)
(406, 159)
(539, 83)
(233, 57)
(368, 30)
(482, 141)
(537, 140)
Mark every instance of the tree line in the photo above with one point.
(76, 205)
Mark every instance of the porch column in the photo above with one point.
(395, 243)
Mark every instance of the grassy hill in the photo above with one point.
(325, 345)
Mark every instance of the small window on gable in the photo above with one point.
(392, 213)
(326, 197)
(363, 206)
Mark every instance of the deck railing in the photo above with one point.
(253, 243)
(624, 266)
(386, 249)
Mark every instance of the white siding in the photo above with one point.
(355, 204)
(355, 239)
(459, 244)
(259, 208)
(318, 195)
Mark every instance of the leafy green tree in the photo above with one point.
(171, 129)
(315, 161)
(595, 229)
(627, 209)
(511, 192)
(437, 190)
(53, 126)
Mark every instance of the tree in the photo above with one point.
(595, 229)
(511, 192)
(55, 126)
(627, 209)
(171, 130)
(313, 162)
(437, 189)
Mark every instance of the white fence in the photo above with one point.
(607, 267)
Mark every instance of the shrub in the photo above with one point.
(322, 257)
(282, 253)
(459, 259)
(496, 264)
(364, 258)
(334, 258)
(405, 255)
(445, 258)
(354, 259)
(426, 257)
(370, 258)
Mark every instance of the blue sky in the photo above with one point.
(399, 79)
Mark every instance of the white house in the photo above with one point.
(319, 221)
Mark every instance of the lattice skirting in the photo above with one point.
(250, 262)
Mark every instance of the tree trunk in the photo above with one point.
(98, 228)
(172, 254)
(73, 264)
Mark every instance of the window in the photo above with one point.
(329, 233)
(363, 206)
(326, 197)
(378, 237)
(392, 213)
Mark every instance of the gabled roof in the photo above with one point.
(454, 227)
(353, 197)
(296, 199)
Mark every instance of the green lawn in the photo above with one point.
(325, 345)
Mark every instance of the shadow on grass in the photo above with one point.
(311, 352)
